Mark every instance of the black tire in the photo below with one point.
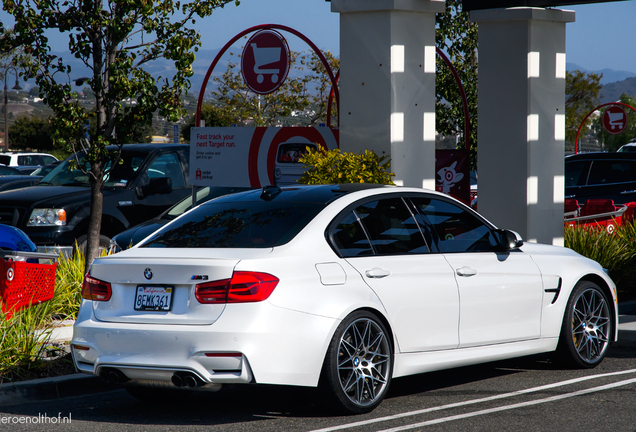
(587, 327)
(158, 394)
(359, 364)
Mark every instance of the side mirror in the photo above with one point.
(510, 240)
(157, 186)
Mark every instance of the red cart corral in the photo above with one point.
(601, 213)
(26, 278)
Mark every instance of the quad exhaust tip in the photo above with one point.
(113, 376)
(186, 379)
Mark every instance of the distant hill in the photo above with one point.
(612, 92)
(609, 75)
(157, 68)
(614, 82)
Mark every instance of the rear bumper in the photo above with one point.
(253, 342)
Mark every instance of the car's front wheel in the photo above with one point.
(587, 326)
(359, 364)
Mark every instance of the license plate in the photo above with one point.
(153, 298)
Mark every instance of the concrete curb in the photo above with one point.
(52, 388)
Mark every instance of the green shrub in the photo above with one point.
(23, 342)
(336, 167)
(68, 286)
(616, 252)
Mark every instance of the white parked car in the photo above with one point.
(288, 168)
(340, 286)
(26, 162)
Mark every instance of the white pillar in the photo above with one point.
(387, 83)
(521, 119)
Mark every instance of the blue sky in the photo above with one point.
(603, 35)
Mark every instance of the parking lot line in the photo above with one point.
(487, 399)
(513, 406)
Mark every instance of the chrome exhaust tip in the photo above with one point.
(177, 380)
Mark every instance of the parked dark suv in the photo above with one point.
(55, 213)
(601, 176)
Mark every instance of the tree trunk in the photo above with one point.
(95, 218)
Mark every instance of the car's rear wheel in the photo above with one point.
(359, 364)
(587, 326)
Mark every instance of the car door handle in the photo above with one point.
(466, 271)
(377, 273)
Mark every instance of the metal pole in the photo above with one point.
(6, 117)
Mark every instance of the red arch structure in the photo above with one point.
(253, 29)
(576, 141)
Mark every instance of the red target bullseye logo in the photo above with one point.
(10, 274)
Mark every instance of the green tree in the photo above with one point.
(612, 142)
(214, 116)
(31, 134)
(456, 36)
(581, 97)
(305, 90)
(115, 40)
(320, 86)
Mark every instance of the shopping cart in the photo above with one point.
(600, 213)
(26, 278)
(263, 57)
(616, 120)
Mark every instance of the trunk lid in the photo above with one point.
(144, 272)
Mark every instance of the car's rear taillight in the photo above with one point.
(95, 289)
(244, 287)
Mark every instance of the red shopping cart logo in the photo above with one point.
(614, 119)
(265, 62)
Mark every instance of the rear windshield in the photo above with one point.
(256, 224)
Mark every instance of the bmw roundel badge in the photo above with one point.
(148, 274)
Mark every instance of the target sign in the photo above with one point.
(265, 62)
(614, 119)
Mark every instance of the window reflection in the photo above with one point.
(235, 225)
(456, 229)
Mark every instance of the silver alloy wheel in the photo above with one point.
(590, 325)
(364, 361)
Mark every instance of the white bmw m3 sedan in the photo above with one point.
(341, 287)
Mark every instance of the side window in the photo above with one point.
(391, 227)
(456, 229)
(576, 173)
(24, 161)
(608, 172)
(350, 239)
(168, 165)
(48, 160)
